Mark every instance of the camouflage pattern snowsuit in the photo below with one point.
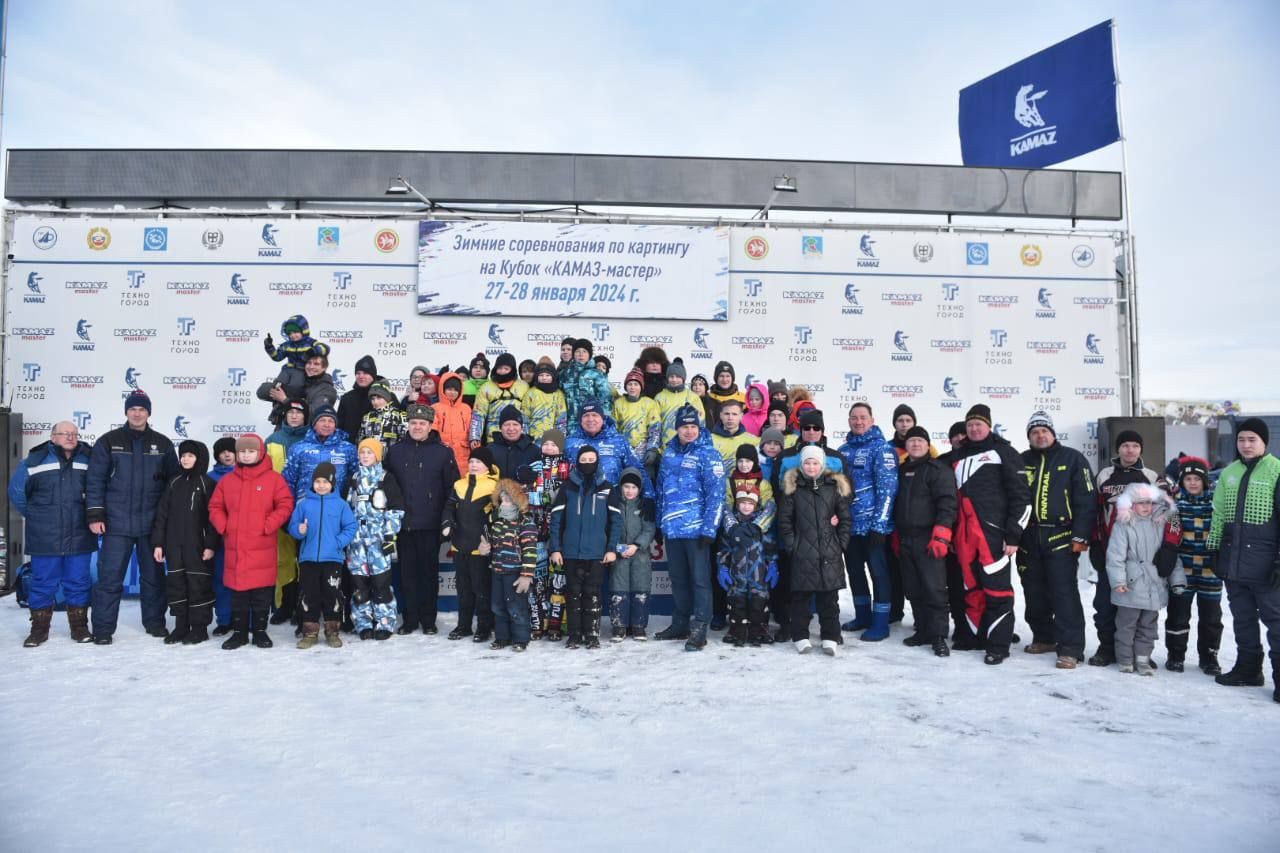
(375, 500)
(542, 481)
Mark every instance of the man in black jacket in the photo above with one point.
(354, 404)
(924, 512)
(128, 471)
(994, 508)
(511, 448)
(1063, 512)
(425, 471)
(1125, 468)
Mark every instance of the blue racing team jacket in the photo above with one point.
(871, 464)
(690, 494)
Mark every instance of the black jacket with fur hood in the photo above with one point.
(805, 510)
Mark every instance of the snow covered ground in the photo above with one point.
(424, 744)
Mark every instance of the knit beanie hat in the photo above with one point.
(1041, 419)
(325, 471)
(505, 367)
(812, 418)
(633, 375)
(772, 434)
(608, 365)
(510, 413)
(485, 455)
(904, 409)
(812, 451)
(554, 435)
(299, 405)
(686, 414)
(746, 492)
(248, 441)
(323, 412)
(224, 445)
(748, 451)
(571, 341)
(676, 368)
(383, 390)
(586, 448)
(1193, 465)
(725, 367)
(916, 431)
(366, 364)
(1127, 435)
(591, 407)
(480, 358)
(137, 397)
(631, 475)
(1257, 426)
(956, 431)
(374, 445)
(776, 388)
(979, 412)
(779, 406)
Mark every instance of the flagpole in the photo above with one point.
(1131, 273)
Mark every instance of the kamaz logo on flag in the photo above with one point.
(495, 334)
(82, 330)
(235, 376)
(900, 339)
(180, 426)
(700, 338)
(393, 327)
(949, 386)
(1026, 112)
(33, 281)
(1091, 342)
(131, 375)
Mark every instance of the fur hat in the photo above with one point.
(419, 412)
(226, 444)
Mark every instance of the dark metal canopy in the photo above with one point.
(85, 176)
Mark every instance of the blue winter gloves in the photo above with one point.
(771, 574)
(725, 578)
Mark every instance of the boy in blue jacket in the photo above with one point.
(324, 525)
(583, 520)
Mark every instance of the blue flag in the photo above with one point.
(1052, 106)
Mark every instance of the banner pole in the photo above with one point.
(1131, 273)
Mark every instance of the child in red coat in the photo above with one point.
(249, 505)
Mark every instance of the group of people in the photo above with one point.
(545, 478)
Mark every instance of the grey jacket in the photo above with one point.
(1132, 550)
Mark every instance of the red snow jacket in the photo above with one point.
(248, 507)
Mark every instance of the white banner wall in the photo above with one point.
(179, 307)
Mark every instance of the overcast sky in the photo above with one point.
(839, 81)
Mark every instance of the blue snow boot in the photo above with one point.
(861, 614)
(879, 629)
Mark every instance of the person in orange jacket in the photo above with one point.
(453, 419)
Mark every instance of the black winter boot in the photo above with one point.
(697, 637)
(1104, 656)
(1209, 663)
(196, 635)
(940, 647)
(39, 627)
(261, 640)
(236, 640)
(179, 632)
(1246, 673)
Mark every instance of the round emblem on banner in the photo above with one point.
(1082, 256)
(99, 238)
(923, 252)
(386, 240)
(756, 247)
(44, 237)
(212, 239)
(1031, 255)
